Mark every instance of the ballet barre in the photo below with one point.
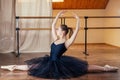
(73, 28)
(49, 17)
(40, 17)
(86, 29)
(62, 22)
(102, 17)
(35, 28)
(103, 27)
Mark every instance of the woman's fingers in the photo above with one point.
(62, 12)
(75, 15)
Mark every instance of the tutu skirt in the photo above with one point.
(65, 67)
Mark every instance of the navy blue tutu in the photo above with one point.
(57, 66)
(65, 67)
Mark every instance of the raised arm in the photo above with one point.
(72, 38)
(54, 34)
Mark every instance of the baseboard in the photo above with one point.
(112, 45)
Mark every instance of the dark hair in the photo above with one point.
(67, 29)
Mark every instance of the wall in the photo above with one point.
(112, 36)
(94, 36)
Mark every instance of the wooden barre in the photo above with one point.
(35, 28)
(103, 16)
(103, 28)
(38, 17)
(50, 17)
(73, 28)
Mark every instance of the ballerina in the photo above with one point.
(58, 65)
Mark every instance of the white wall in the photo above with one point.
(94, 36)
(112, 36)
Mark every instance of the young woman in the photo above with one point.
(57, 65)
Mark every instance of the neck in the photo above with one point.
(62, 37)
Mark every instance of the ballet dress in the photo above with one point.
(56, 65)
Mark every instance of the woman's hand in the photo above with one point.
(61, 13)
(78, 20)
(75, 15)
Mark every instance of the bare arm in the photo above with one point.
(72, 38)
(54, 34)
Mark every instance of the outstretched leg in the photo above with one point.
(106, 68)
(22, 67)
(15, 67)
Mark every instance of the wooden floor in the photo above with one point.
(98, 54)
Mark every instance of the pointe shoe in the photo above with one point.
(108, 68)
(10, 67)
